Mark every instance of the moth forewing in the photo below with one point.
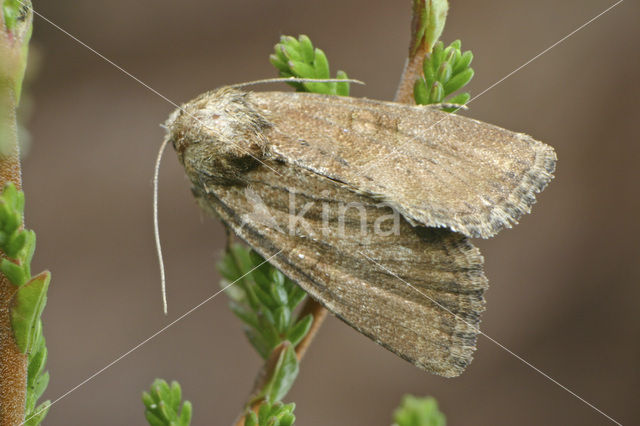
(354, 194)
(438, 169)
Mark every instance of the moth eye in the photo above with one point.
(215, 116)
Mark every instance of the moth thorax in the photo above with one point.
(220, 136)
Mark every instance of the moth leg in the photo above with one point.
(231, 236)
(444, 105)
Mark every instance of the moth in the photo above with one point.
(367, 205)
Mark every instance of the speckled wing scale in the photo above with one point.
(286, 153)
(437, 169)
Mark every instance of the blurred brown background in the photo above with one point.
(564, 283)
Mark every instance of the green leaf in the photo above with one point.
(284, 374)
(16, 27)
(451, 53)
(186, 413)
(163, 391)
(162, 405)
(446, 70)
(260, 269)
(265, 298)
(251, 419)
(11, 11)
(296, 295)
(265, 302)
(15, 273)
(277, 290)
(459, 81)
(35, 389)
(247, 316)
(29, 303)
(251, 299)
(247, 259)
(420, 92)
(463, 62)
(282, 319)
(153, 419)
(36, 385)
(14, 199)
(38, 414)
(298, 58)
(456, 45)
(432, 19)
(302, 69)
(300, 329)
(437, 56)
(267, 328)
(278, 63)
(259, 343)
(176, 396)
(228, 268)
(263, 414)
(277, 414)
(418, 412)
(279, 51)
(29, 248)
(291, 51)
(277, 278)
(37, 379)
(37, 361)
(422, 28)
(321, 65)
(15, 244)
(460, 99)
(436, 18)
(306, 48)
(11, 220)
(39, 387)
(436, 94)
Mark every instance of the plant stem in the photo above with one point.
(319, 313)
(14, 38)
(418, 50)
(13, 363)
(427, 23)
(412, 71)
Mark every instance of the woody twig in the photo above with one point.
(13, 374)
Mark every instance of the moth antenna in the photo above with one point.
(156, 228)
(299, 80)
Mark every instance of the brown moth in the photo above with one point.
(368, 204)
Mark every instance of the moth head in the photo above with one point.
(219, 134)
